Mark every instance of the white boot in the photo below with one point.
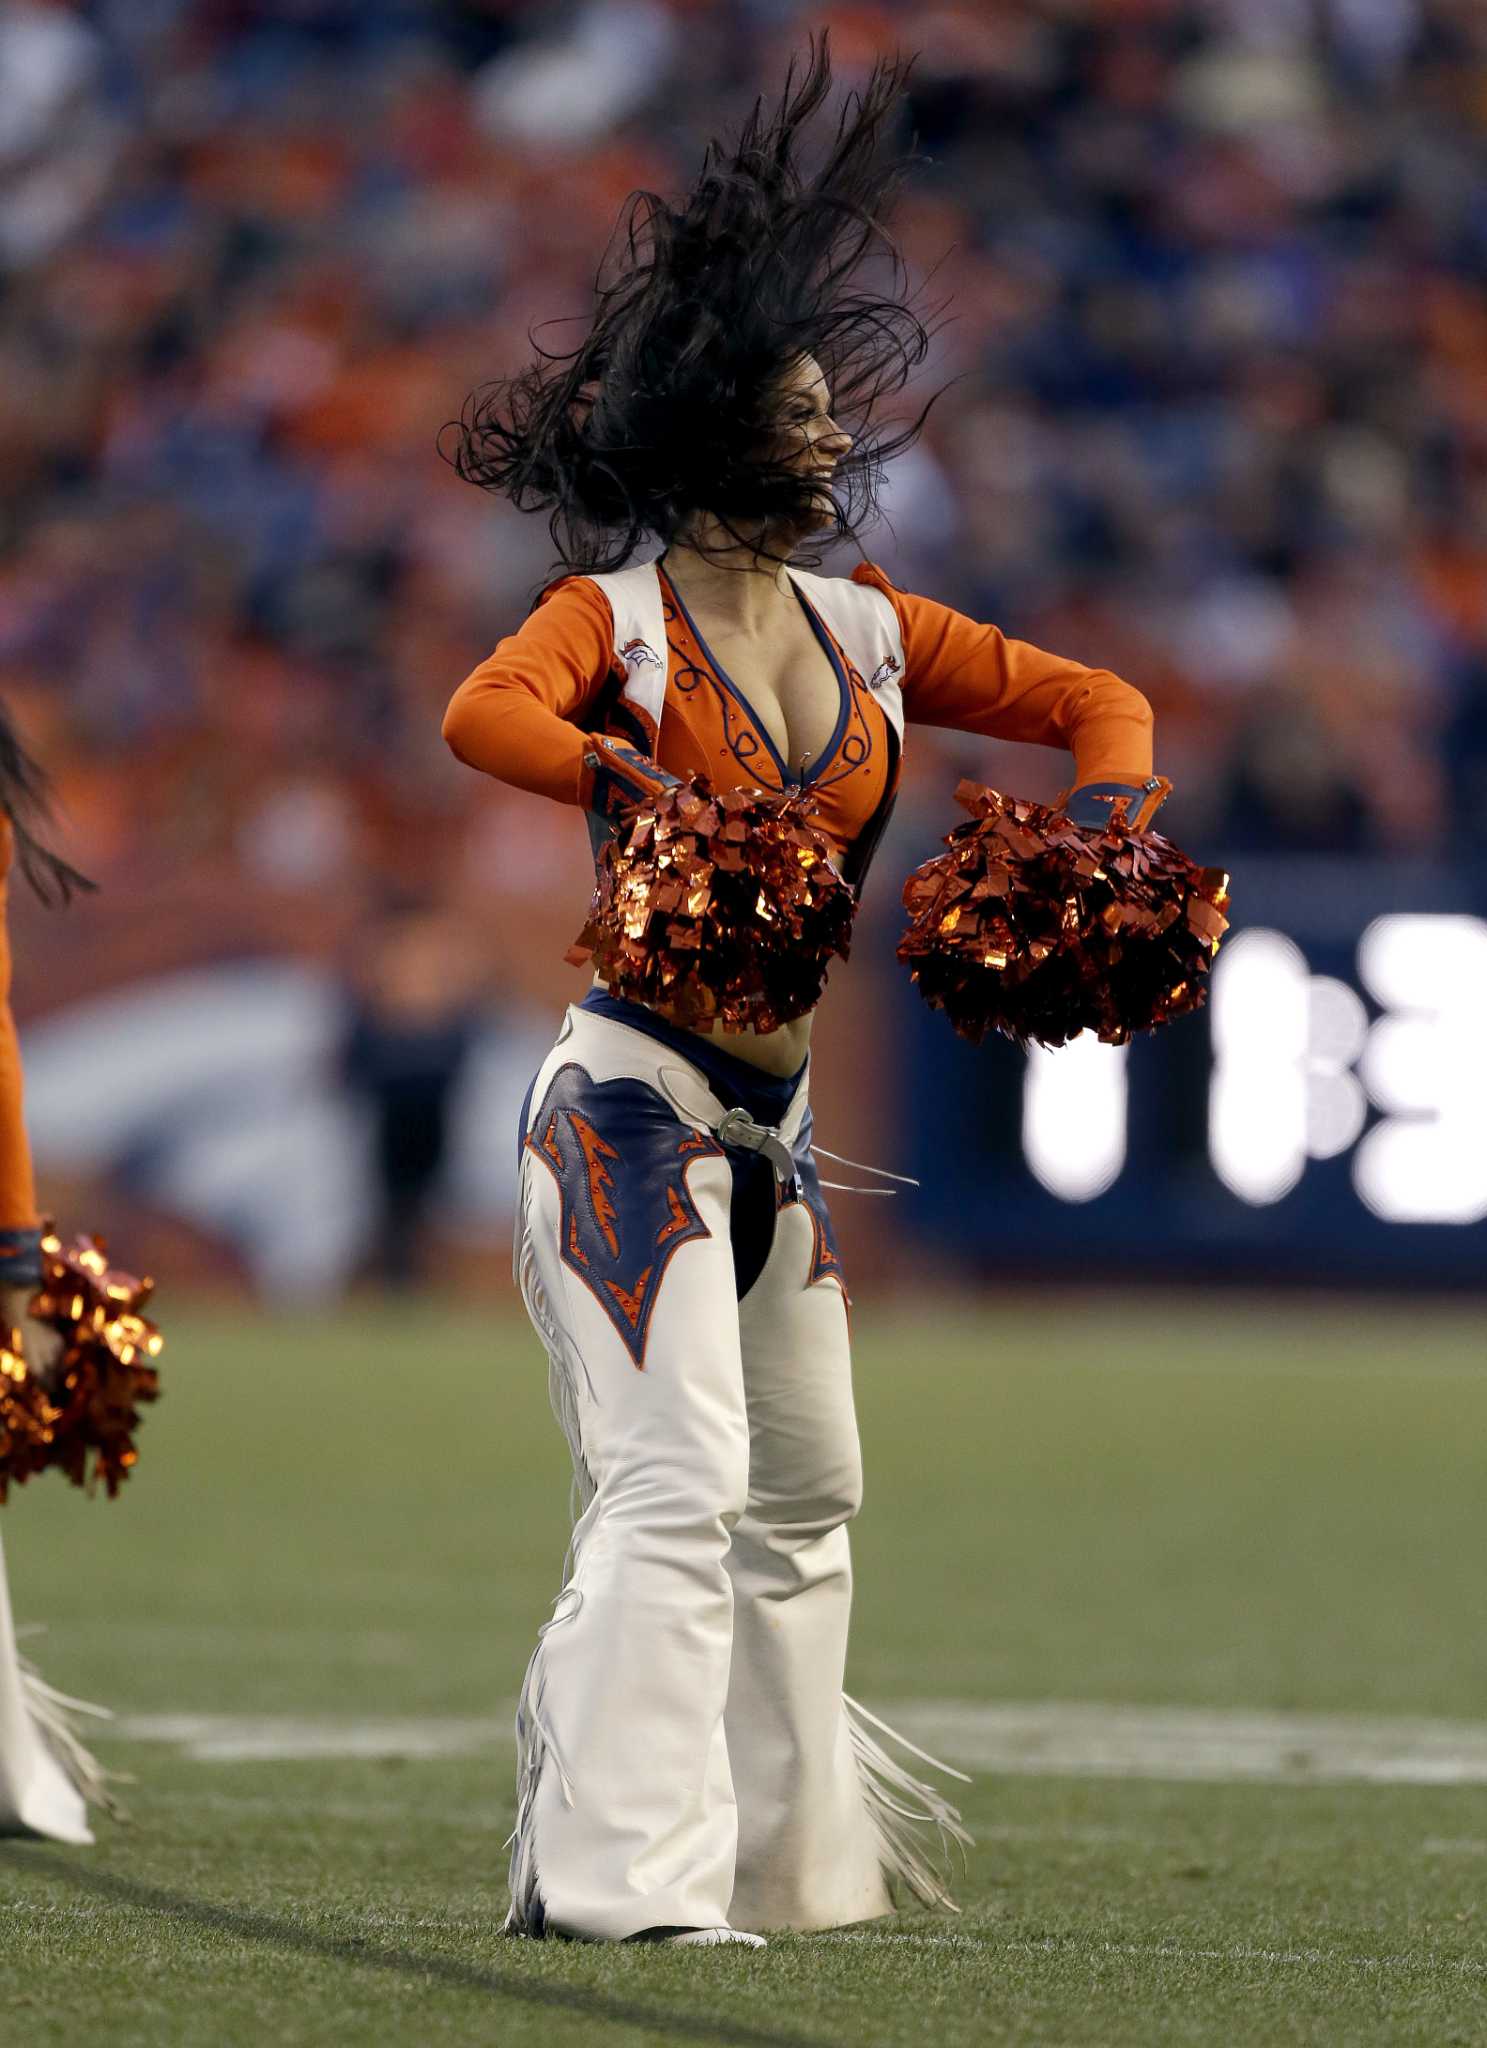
(712, 1937)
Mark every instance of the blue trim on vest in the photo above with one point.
(788, 776)
(844, 709)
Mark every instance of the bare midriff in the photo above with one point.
(778, 1052)
(773, 1052)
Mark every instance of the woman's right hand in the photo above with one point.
(618, 779)
(41, 1346)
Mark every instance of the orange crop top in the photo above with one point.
(524, 714)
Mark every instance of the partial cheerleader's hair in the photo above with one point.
(671, 405)
(25, 798)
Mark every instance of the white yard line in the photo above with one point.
(1395, 1372)
(1164, 1951)
(195, 1797)
(1050, 1738)
(289, 1738)
(277, 1642)
(1045, 1738)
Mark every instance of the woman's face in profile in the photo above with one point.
(807, 440)
(810, 439)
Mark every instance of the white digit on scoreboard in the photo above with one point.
(1074, 1116)
(1293, 1053)
(1257, 1100)
(1284, 1044)
(1426, 1161)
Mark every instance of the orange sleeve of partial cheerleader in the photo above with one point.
(17, 1187)
(972, 678)
(519, 716)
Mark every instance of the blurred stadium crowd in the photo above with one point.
(1218, 276)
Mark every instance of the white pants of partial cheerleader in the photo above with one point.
(39, 1792)
(687, 1755)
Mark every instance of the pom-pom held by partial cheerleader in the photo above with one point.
(84, 1414)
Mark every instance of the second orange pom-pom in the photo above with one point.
(1039, 928)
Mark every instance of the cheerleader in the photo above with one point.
(46, 1777)
(690, 1768)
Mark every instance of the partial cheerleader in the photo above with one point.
(690, 1766)
(47, 1778)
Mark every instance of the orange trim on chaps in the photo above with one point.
(680, 1216)
(596, 1155)
(632, 1300)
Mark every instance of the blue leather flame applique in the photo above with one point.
(620, 1160)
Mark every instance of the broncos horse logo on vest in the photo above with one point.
(638, 653)
(620, 1160)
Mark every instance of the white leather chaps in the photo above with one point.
(687, 1755)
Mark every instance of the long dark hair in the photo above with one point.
(25, 798)
(669, 407)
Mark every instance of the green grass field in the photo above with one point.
(1194, 1504)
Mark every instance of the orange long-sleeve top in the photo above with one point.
(525, 715)
(18, 1219)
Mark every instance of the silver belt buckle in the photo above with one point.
(736, 1127)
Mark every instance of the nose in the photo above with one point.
(834, 441)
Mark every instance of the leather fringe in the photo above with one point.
(56, 1716)
(903, 1809)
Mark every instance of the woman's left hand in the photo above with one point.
(1091, 806)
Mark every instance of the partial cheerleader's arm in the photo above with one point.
(20, 1227)
(972, 678)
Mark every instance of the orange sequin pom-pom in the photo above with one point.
(719, 908)
(1039, 928)
(85, 1419)
(28, 1419)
